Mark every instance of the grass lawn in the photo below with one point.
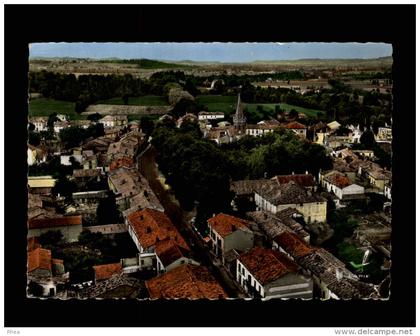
(216, 103)
(44, 107)
(271, 107)
(140, 101)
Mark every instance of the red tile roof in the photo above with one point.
(186, 282)
(293, 244)
(295, 125)
(39, 259)
(103, 272)
(267, 265)
(304, 180)
(169, 251)
(121, 162)
(40, 223)
(33, 243)
(152, 226)
(224, 224)
(338, 180)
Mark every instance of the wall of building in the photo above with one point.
(290, 286)
(242, 277)
(238, 240)
(70, 232)
(312, 212)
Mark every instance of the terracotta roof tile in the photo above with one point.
(152, 226)
(293, 244)
(304, 180)
(39, 223)
(39, 259)
(224, 224)
(169, 251)
(338, 179)
(185, 282)
(295, 125)
(103, 272)
(267, 265)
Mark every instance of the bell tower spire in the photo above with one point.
(239, 120)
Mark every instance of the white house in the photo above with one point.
(210, 115)
(275, 198)
(228, 233)
(340, 185)
(40, 123)
(270, 274)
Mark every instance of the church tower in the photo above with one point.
(239, 120)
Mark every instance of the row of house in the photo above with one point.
(289, 267)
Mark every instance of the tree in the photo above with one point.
(147, 125)
(293, 114)
(50, 238)
(107, 211)
(94, 117)
(34, 138)
(367, 139)
(64, 187)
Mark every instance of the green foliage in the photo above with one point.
(196, 169)
(51, 167)
(348, 252)
(94, 117)
(107, 211)
(343, 223)
(147, 125)
(64, 187)
(73, 136)
(50, 238)
(367, 139)
(34, 138)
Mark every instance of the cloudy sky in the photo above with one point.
(221, 52)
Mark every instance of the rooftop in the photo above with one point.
(39, 258)
(338, 179)
(295, 125)
(288, 193)
(40, 223)
(185, 282)
(267, 265)
(304, 180)
(224, 224)
(293, 244)
(103, 272)
(152, 226)
(169, 251)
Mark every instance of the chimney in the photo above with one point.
(293, 173)
(233, 227)
(338, 274)
(306, 172)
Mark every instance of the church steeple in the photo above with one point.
(239, 120)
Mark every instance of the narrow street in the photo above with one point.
(148, 168)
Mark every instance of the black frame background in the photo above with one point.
(225, 23)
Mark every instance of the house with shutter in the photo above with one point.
(269, 274)
(227, 233)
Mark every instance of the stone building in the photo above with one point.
(270, 274)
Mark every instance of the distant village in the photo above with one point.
(104, 222)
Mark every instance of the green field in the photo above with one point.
(140, 101)
(216, 103)
(227, 104)
(44, 107)
(285, 107)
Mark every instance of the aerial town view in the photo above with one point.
(209, 171)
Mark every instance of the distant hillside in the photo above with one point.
(144, 63)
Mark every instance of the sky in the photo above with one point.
(215, 52)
